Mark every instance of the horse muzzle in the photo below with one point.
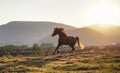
(53, 35)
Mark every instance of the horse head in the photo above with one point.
(57, 31)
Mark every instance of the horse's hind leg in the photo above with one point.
(73, 48)
(56, 49)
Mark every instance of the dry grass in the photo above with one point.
(63, 63)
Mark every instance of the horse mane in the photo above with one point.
(63, 31)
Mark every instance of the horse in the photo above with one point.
(65, 40)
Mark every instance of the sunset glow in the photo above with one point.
(104, 14)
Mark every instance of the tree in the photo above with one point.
(35, 47)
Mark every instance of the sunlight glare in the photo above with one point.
(103, 14)
(82, 45)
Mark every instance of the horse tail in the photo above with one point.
(77, 38)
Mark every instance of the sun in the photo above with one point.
(103, 13)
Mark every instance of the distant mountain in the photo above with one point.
(106, 29)
(90, 36)
(87, 36)
(27, 32)
(111, 31)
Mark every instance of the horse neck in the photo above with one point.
(62, 35)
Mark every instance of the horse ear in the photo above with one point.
(62, 29)
(56, 28)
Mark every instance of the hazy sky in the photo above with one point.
(72, 12)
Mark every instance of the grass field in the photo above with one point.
(63, 63)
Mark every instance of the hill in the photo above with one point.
(87, 36)
(92, 35)
(27, 32)
(111, 31)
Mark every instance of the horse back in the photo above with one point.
(70, 40)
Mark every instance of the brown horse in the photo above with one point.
(65, 40)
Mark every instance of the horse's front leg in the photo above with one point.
(56, 49)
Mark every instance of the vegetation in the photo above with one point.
(26, 50)
(42, 61)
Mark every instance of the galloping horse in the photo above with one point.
(65, 40)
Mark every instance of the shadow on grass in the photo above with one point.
(36, 62)
(75, 68)
(86, 68)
